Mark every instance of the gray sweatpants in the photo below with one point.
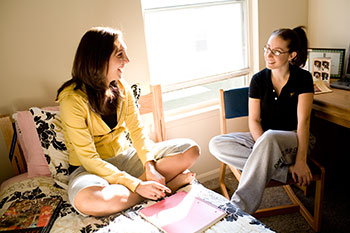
(267, 158)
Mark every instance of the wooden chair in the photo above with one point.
(234, 104)
(153, 103)
(149, 103)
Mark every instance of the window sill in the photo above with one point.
(193, 110)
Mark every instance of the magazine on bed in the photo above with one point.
(182, 212)
(37, 215)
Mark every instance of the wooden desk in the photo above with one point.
(333, 107)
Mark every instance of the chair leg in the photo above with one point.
(303, 188)
(236, 172)
(222, 180)
(313, 221)
(277, 210)
(316, 220)
(318, 208)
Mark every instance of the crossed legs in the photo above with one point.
(268, 158)
(109, 199)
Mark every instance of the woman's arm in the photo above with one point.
(140, 139)
(254, 118)
(300, 171)
(133, 122)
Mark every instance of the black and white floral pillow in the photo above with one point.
(136, 89)
(49, 128)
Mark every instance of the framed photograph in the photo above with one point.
(336, 56)
(321, 69)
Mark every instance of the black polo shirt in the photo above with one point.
(280, 112)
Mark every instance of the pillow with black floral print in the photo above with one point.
(49, 128)
(136, 89)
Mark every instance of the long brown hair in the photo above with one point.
(297, 43)
(90, 67)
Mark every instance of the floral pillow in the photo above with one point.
(49, 128)
(136, 89)
(137, 93)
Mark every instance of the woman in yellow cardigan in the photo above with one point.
(96, 107)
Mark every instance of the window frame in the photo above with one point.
(248, 9)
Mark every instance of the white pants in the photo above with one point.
(268, 158)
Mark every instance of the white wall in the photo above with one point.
(38, 42)
(39, 39)
(200, 127)
(328, 24)
(275, 14)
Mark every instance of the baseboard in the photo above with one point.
(211, 178)
(210, 175)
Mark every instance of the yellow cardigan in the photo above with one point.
(89, 139)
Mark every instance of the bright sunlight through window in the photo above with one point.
(195, 47)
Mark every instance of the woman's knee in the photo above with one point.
(269, 136)
(214, 144)
(103, 200)
(271, 133)
(193, 153)
(224, 144)
(278, 136)
(86, 198)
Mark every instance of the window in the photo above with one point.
(196, 47)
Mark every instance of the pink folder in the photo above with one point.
(183, 213)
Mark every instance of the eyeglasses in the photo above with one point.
(273, 51)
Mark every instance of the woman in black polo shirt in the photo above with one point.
(280, 102)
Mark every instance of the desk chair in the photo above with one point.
(234, 104)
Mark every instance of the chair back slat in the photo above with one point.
(236, 102)
(153, 103)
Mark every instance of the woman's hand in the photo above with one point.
(152, 190)
(301, 173)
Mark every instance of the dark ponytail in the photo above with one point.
(298, 43)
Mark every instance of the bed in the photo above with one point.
(40, 161)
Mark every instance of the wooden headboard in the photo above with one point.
(149, 103)
(16, 157)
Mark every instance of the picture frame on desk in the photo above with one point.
(336, 56)
(321, 69)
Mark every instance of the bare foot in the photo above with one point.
(180, 180)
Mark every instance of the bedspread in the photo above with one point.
(126, 221)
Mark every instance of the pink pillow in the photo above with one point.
(29, 141)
